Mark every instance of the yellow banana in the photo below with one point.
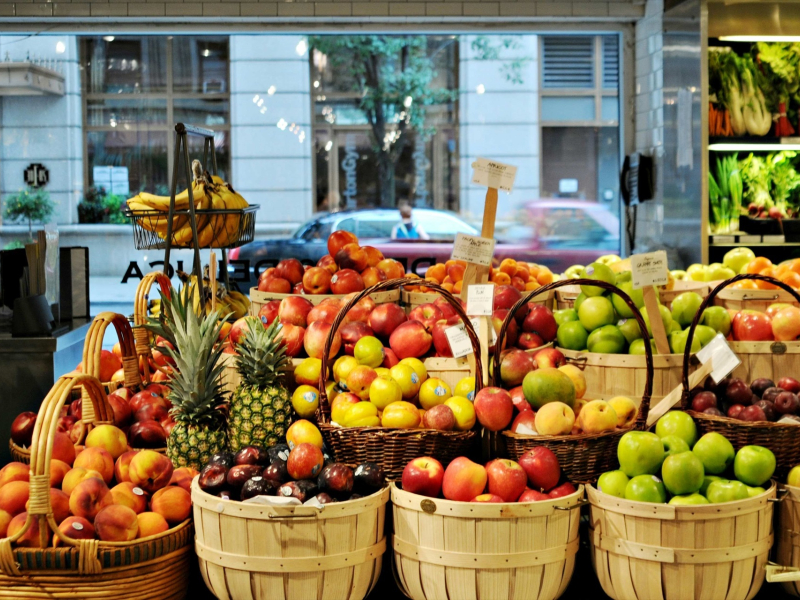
(206, 235)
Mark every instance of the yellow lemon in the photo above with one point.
(407, 378)
(383, 392)
(464, 412)
(418, 366)
(432, 392)
(305, 400)
(466, 388)
(342, 368)
(307, 372)
(303, 432)
(363, 414)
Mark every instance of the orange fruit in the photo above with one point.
(758, 264)
(763, 285)
(508, 266)
(544, 276)
(523, 273)
(531, 285)
(745, 284)
(448, 286)
(501, 278)
(457, 286)
(456, 272)
(437, 272)
(791, 278)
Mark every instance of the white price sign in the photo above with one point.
(649, 269)
(723, 359)
(473, 249)
(493, 174)
(458, 339)
(480, 299)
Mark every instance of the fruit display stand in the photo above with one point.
(148, 568)
(253, 551)
(642, 550)
(142, 337)
(786, 571)
(92, 349)
(389, 447)
(259, 299)
(757, 357)
(455, 550)
(585, 456)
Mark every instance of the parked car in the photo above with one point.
(373, 227)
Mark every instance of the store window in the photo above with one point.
(134, 91)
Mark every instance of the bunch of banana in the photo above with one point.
(229, 302)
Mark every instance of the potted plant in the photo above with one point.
(33, 204)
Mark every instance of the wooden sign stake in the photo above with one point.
(656, 324)
(212, 274)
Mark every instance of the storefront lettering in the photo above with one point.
(421, 167)
(349, 165)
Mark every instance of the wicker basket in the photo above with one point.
(642, 551)
(142, 337)
(787, 542)
(259, 299)
(156, 567)
(456, 550)
(252, 551)
(92, 347)
(584, 457)
(783, 439)
(410, 300)
(758, 300)
(393, 448)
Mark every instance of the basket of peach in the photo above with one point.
(106, 521)
(500, 522)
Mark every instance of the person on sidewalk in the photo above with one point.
(407, 228)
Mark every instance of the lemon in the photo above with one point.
(464, 412)
(466, 388)
(305, 400)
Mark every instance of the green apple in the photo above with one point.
(573, 272)
(793, 478)
(718, 272)
(613, 483)
(726, 491)
(696, 272)
(717, 318)
(682, 473)
(689, 499)
(677, 423)
(646, 488)
(715, 452)
(705, 334)
(679, 275)
(754, 465)
(622, 277)
(640, 453)
(579, 300)
(685, 306)
(738, 258)
(595, 312)
(674, 444)
(609, 259)
(607, 340)
(598, 272)
(666, 318)
(630, 329)
(619, 304)
(678, 339)
(708, 480)
(755, 491)
(637, 347)
(674, 327)
(565, 315)
(572, 336)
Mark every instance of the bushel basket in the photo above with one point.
(783, 439)
(583, 457)
(787, 541)
(152, 568)
(393, 448)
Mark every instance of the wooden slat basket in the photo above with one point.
(142, 337)
(152, 568)
(643, 551)
(92, 347)
(566, 295)
(447, 550)
(253, 551)
(783, 439)
(584, 457)
(786, 571)
(758, 300)
(772, 360)
(393, 448)
(259, 299)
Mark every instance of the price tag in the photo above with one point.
(649, 269)
(493, 174)
(479, 300)
(473, 249)
(459, 340)
(723, 359)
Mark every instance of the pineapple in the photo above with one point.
(195, 388)
(260, 409)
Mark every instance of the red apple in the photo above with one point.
(325, 312)
(753, 413)
(518, 398)
(385, 318)
(494, 408)
(410, 340)
(540, 320)
(533, 496)
(440, 340)
(786, 324)
(22, 428)
(505, 296)
(512, 332)
(514, 365)
(444, 306)
(427, 314)
(529, 341)
(704, 400)
(346, 281)
(315, 338)
(524, 423)
(506, 479)
(293, 310)
(423, 476)
(463, 480)
(351, 333)
(290, 269)
(389, 358)
(338, 239)
(735, 411)
(269, 312)
(752, 326)
(789, 384)
(541, 466)
(549, 357)
(361, 311)
(565, 489)
(487, 498)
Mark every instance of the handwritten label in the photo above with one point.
(479, 300)
(649, 269)
(723, 359)
(493, 174)
(458, 339)
(473, 249)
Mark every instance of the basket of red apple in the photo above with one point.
(289, 523)
(379, 413)
(155, 365)
(502, 530)
(348, 267)
(761, 413)
(552, 398)
(786, 569)
(680, 508)
(130, 403)
(102, 522)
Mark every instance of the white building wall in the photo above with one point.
(499, 120)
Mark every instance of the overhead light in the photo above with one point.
(481, 88)
(328, 145)
(759, 38)
(731, 147)
(255, 99)
(316, 84)
(206, 53)
(408, 101)
(108, 38)
(301, 47)
(271, 90)
(61, 47)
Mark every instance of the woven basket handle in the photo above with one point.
(699, 315)
(324, 411)
(641, 419)
(141, 336)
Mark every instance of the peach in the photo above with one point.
(327, 263)
(346, 281)
(5, 519)
(14, 471)
(325, 312)
(463, 480)
(577, 377)
(294, 310)
(410, 339)
(74, 476)
(96, 459)
(290, 269)
(117, 349)
(76, 528)
(393, 269)
(63, 448)
(626, 410)
(402, 415)
(14, 496)
(116, 523)
(315, 338)
(173, 503)
(109, 364)
(269, 312)
(59, 504)
(597, 416)
(317, 280)
(29, 539)
(374, 256)
(150, 470)
(339, 239)
(182, 477)
(275, 285)
(151, 523)
(555, 418)
(385, 318)
(130, 495)
(359, 380)
(89, 497)
(351, 256)
(109, 438)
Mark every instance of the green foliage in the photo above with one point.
(33, 204)
(98, 206)
(485, 49)
(15, 245)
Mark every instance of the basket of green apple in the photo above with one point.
(555, 391)
(682, 517)
(762, 413)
